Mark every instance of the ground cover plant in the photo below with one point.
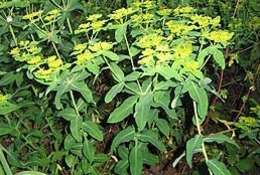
(140, 87)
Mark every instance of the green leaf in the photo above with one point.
(93, 129)
(136, 160)
(133, 76)
(68, 114)
(148, 157)
(153, 138)
(82, 88)
(111, 55)
(217, 168)
(70, 160)
(8, 108)
(219, 138)
(120, 32)
(124, 110)
(75, 128)
(199, 95)
(219, 58)
(5, 129)
(121, 167)
(166, 71)
(117, 72)
(142, 111)
(215, 52)
(123, 136)
(88, 151)
(192, 145)
(30, 173)
(113, 92)
(163, 126)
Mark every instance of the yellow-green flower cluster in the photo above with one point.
(219, 36)
(43, 73)
(184, 10)
(164, 12)
(94, 23)
(32, 16)
(85, 53)
(147, 4)
(191, 66)
(205, 21)
(27, 52)
(101, 46)
(82, 54)
(156, 50)
(142, 18)
(246, 123)
(183, 50)
(52, 15)
(54, 62)
(3, 98)
(121, 13)
(150, 40)
(202, 21)
(178, 28)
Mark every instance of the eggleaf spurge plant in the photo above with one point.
(156, 56)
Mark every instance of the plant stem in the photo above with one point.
(129, 51)
(74, 103)
(69, 25)
(13, 35)
(56, 50)
(199, 130)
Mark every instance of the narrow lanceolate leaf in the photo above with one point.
(88, 151)
(142, 111)
(120, 32)
(199, 95)
(122, 166)
(217, 167)
(93, 129)
(163, 126)
(113, 92)
(111, 55)
(219, 57)
(117, 72)
(136, 160)
(219, 138)
(192, 145)
(82, 88)
(123, 136)
(75, 128)
(68, 114)
(124, 110)
(152, 137)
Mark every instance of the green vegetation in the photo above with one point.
(140, 87)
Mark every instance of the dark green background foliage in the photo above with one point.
(79, 122)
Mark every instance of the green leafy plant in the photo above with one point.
(157, 62)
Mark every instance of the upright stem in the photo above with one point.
(69, 25)
(129, 51)
(56, 50)
(199, 130)
(13, 35)
(74, 103)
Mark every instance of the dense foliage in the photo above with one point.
(139, 87)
